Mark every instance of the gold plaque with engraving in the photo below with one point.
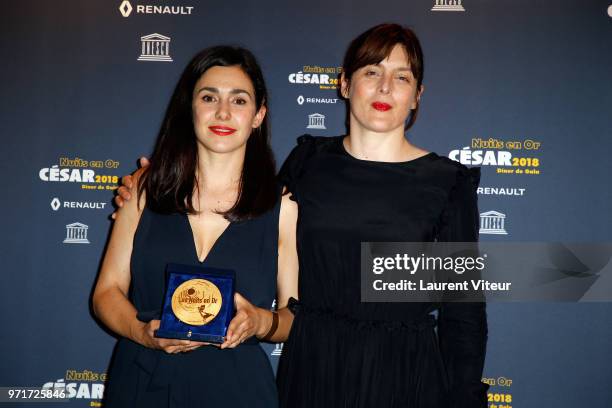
(196, 302)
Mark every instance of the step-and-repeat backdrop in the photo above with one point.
(522, 88)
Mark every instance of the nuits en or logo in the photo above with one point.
(155, 47)
(87, 385)
(54, 173)
(481, 157)
(448, 5)
(278, 349)
(83, 174)
(509, 156)
(309, 78)
(493, 222)
(323, 77)
(316, 121)
(76, 233)
(125, 8)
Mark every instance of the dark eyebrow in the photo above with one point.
(233, 91)
(396, 69)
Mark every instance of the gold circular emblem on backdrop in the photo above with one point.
(196, 302)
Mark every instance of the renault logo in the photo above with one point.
(125, 8)
(55, 204)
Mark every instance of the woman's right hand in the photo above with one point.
(124, 192)
(171, 346)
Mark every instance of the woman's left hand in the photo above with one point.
(249, 321)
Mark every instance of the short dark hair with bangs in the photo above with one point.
(376, 44)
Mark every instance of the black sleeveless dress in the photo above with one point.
(208, 376)
(344, 353)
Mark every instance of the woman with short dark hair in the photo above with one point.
(373, 185)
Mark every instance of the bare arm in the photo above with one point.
(110, 298)
(288, 267)
(255, 321)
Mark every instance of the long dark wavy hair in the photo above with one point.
(170, 180)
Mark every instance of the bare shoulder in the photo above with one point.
(288, 207)
(287, 219)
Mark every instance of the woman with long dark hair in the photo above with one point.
(210, 198)
(373, 185)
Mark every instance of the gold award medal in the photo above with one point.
(196, 302)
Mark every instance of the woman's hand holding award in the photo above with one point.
(198, 304)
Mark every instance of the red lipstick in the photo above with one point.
(222, 130)
(381, 106)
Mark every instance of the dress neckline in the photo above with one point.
(194, 244)
(412, 161)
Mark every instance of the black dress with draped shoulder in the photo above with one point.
(345, 353)
(208, 376)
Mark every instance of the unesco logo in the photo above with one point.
(448, 5)
(155, 47)
(278, 349)
(493, 222)
(76, 233)
(316, 121)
